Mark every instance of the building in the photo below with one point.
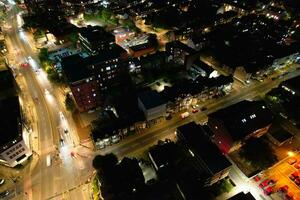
(292, 86)
(89, 77)
(8, 85)
(181, 53)
(242, 196)
(95, 39)
(141, 50)
(82, 82)
(152, 104)
(239, 122)
(39, 6)
(13, 150)
(206, 155)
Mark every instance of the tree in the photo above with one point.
(259, 153)
(106, 166)
(73, 37)
(69, 103)
(44, 55)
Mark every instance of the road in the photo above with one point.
(67, 175)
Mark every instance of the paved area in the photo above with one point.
(280, 173)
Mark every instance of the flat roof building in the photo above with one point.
(206, 154)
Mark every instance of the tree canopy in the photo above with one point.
(259, 153)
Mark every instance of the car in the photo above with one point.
(264, 183)
(47, 92)
(195, 111)
(256, 178)
(203, 108)
(4, 194)
(267, 182)
(61, 116)
(294, 175)
(66, 131)
(2, 181)
(292, 161)
(268, 190)
(297, 181)
(297, 165)
(284, 189)
(289, 196)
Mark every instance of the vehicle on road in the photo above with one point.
(184, 115)
(66, 131)
(48, 160)
(195, 111)
(267, 182)
(47, 92)
(4, 194)
(2, 181)
(203, 108)
(61, 116)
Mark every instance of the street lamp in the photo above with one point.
(290, 153)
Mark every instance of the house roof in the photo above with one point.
(193, 135)
(151, 99)
(74, 68)
(244, 118)
(10, 127)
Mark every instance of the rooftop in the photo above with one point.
(95, 33)
(140, 47)
(243, 118)
(151, 99)
(74, 68)
(193, 135)
(10, 127)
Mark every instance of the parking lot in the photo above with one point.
(281, 174)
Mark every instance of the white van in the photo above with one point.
(48, 160)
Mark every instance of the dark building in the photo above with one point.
(89, 77)
(242, 196)
(236, 123)
(206, 155)
(8, 85)
(141, 50)
(40, 6)
(152, 104)
(95, 39)
(181, 53)
(13, 150)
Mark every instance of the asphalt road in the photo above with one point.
(67, 175)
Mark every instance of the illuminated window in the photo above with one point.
(244, 120)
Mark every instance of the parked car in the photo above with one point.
(256, 178)
(294, 175)
(268, 190)
(297, 181)
(284, 189)
(292, 161)
(267, 182)
(297, 165)
(289, 196)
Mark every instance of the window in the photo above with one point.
(244, 120)
(94, 94)
(252, 116)
(11, 157)
(78, 89)
(107, 68)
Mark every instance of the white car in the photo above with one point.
(2, 181)
(47, 92)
